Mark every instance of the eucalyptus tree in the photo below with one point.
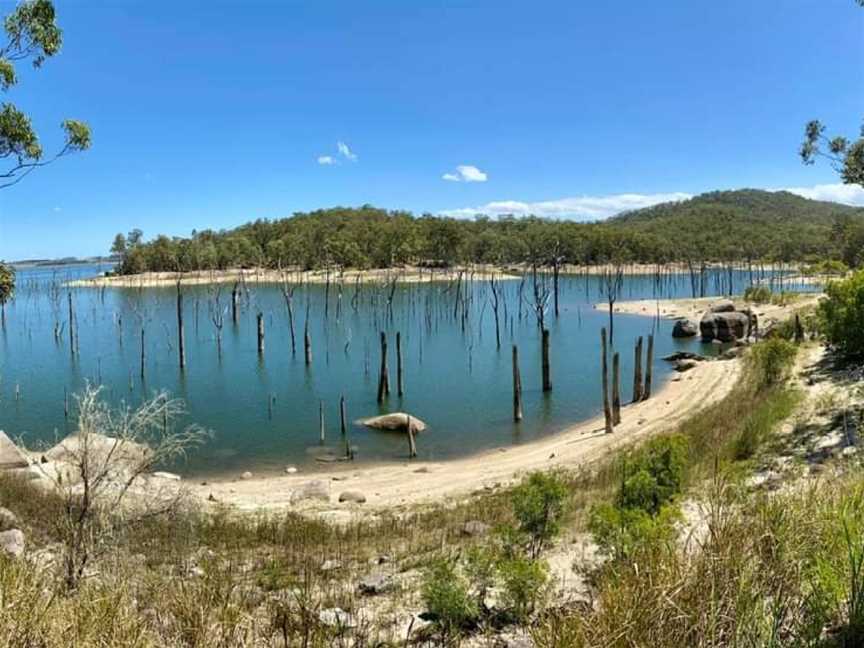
(7, 289)
(32, 34)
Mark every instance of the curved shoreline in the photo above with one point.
(389, 486)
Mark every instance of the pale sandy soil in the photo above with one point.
(407, 274)
(694, 309)
(403, 485)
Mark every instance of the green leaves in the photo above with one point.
(77, 135)
(17, 137)
(7, 283)
(32, 31)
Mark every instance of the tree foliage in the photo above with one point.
(7, 283)
(31, 34)
(733, 226)
(841, 315)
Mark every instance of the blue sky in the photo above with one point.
(209, 114)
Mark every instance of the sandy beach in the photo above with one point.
(394, 486)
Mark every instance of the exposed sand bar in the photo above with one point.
(405, 274)
(390, 486)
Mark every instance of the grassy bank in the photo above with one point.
(223, 579)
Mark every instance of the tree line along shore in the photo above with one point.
(733, 227)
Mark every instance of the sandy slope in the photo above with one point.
(389, 486)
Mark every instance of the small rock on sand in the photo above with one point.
(290, 470)
(474, 528)
(378, 582)
(246, 475)
(313, 490)
(8, 520)
(355, 497)
(12, 542)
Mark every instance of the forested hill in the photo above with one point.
(751, 223)
(744, 225)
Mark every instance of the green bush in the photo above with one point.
(654, 474)
(758, 294)
(539, 504)
(524, 586)
(447, 598)
(622, 532)
(772, 360)
(841, 315)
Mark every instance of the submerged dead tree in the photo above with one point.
(517, 386)
(181, 341)
(616, 389)
(383, 377)
(607, 410)
(544, 352)
(611, 282)
(637, 372)
(649, 361)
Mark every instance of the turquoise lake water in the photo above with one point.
(264, 411)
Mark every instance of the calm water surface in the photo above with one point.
(263, 411)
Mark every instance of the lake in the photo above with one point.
(263, 410)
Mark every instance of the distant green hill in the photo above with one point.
(725, 226)
(747, 223)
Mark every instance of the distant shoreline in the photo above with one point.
(404, 274)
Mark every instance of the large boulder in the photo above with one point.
(8, 520)
(10, 456)
(684, 328)
(395, 422)
(726, 326)
(723, 306)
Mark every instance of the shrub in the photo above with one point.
(654, 473)
(539, 503)
(447, 598)
(481, 565)
(758, 294)
(841, 315)
(524, 585)
(772, 360)
(622, 532)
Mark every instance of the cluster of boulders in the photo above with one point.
(722, 323)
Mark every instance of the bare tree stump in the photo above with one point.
(412, 446)
(517, 386)
(547, 377)
(616, 389)
(637, 372)
(649, 368)
(260, 319)
(400, 387)
(181, 342)
(307, 344)
(383, 377)
(321, 420)
(607, 411)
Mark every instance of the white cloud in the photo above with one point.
(346, 152)
(840, 193)
(326, 160)
(466, 173)
(584, 208)
(57, 209)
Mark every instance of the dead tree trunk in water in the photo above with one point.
(400, 387)
(71, 327)
(235, 295)
(616, 389)
(637, 372)
(181, 342)
(547, 377)
(307, 344)
(260, 319)
(412, 446)
(321, 420)
(383, 377)
(517, 386)
(142, 354)
(649, 370)
(607, 411)
(343, 421)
